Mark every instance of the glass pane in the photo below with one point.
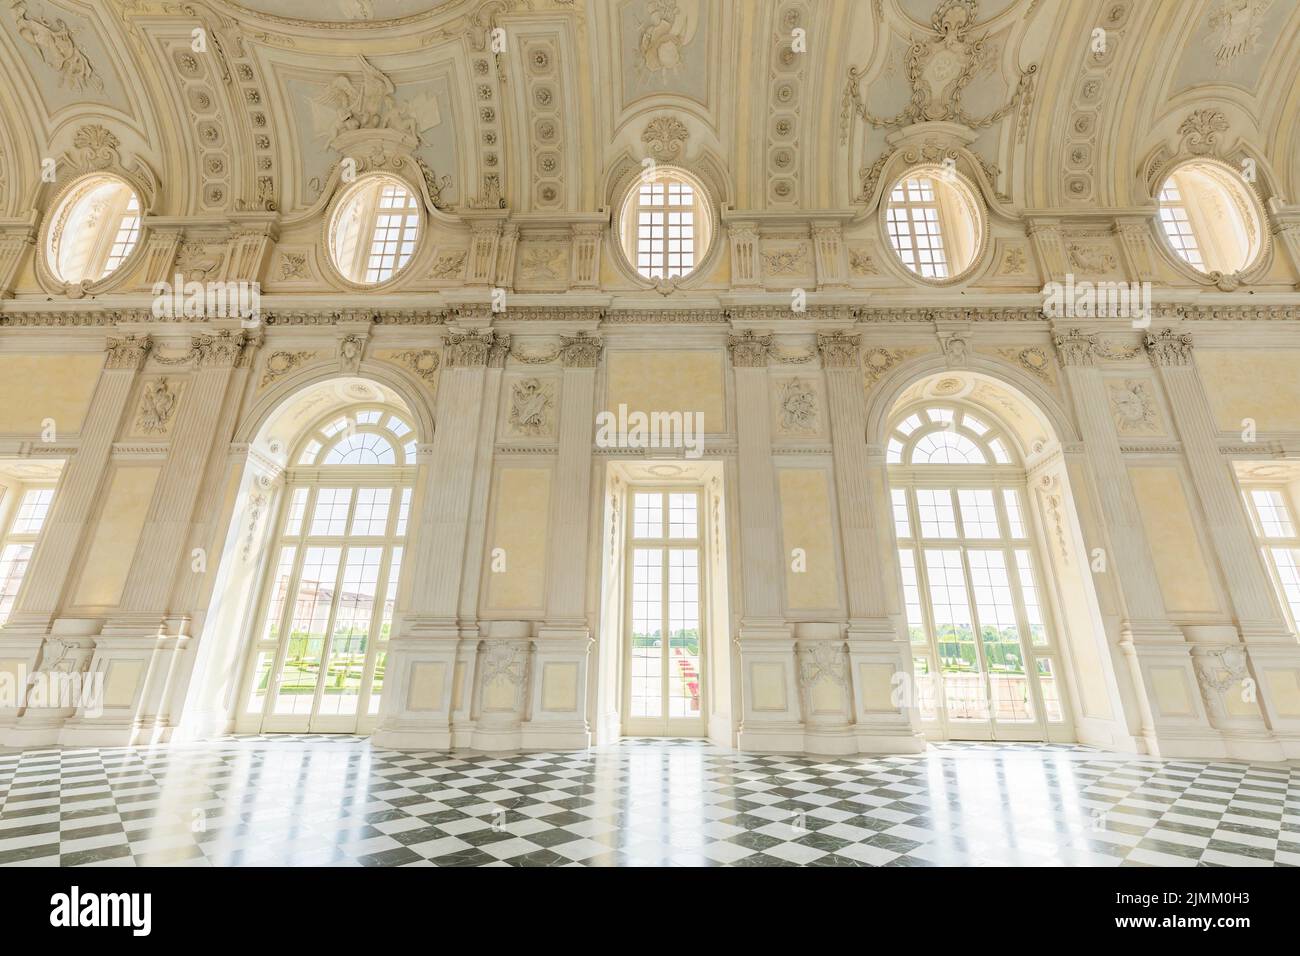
(923, 680)
(936, 514)
(279, 593)
(297, 508)
(1272, 511)
(648, 515)
(1029, 594)
(979, 516)
(307, 632)
(681, 516)
(330, 515)
(371, 514)
(261, 678)
(684, 631)
(1015, 522)
(13, 566)
(955, 639)
(912, 595)
(1287, 562)
(898, 497)
(647, 632)
(404, 512)
(1003, 654)
(356, 605)
(1051, 693)
(377, 682)
(390, 595)
(32, 511)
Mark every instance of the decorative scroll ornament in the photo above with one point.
(157, 404)
(749, 350)
(839, 350)
(665, 136)
(798, 403)
(821, 661)
(1169, 348)
(1217, 672)
(1133, 407)
(939, 67)
(96, 148)
(1200, 131)
(223, 349)
(423, 362)
(956, 349)
(53, 40)
(531, 401)
(1078, 348)
(351, 349)
(282, 363)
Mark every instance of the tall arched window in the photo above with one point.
(322, 640)
(986, 660)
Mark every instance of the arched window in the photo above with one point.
(933, 223)
(322, 641)
(666, 225)
(1210, 218)
(374, 230)
(95, 227)
(984, 654)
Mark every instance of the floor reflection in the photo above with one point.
(302, 801)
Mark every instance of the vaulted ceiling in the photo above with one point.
(545, 104)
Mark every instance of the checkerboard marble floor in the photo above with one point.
(311, 801)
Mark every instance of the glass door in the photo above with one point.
(984, 663)
(663, 674)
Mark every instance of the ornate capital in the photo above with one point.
(580, 351)
(839, 350)
(1168, 347)
(223, 349)
(1076, 348)
(749, 350)
(469, 349)
(128, 352)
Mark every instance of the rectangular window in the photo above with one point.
(20, 544)
(1273, 516)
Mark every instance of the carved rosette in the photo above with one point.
(749, 350)
(1169, 348)
(580, 351)
(839, 350)
(128, 352)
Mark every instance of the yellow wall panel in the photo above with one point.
(522, 502)
(1180, 563)
(806, 523)
(1259, 384)
(684, 381)
(109, 560)
(36, 387)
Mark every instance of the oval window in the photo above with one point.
(374, 230)
(95, 228)
(934, 223)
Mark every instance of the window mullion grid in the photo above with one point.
(339, 578)
(927, 613)
(281, 643)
